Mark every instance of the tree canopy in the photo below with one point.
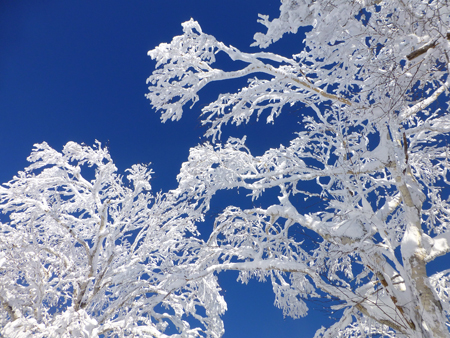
(97, 256)
(371, 150)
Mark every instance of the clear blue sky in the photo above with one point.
(76, 71)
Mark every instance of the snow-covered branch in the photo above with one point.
(184, 68)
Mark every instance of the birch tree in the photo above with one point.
(371, 155)
(85, 252)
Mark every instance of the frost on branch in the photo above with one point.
(362, 188)
(184, 67)
(84, 253)
(187, 56)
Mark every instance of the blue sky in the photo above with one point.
(76, 71)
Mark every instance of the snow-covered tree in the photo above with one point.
(369, 162)
(85, 254)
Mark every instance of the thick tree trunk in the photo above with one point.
(427, 311)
